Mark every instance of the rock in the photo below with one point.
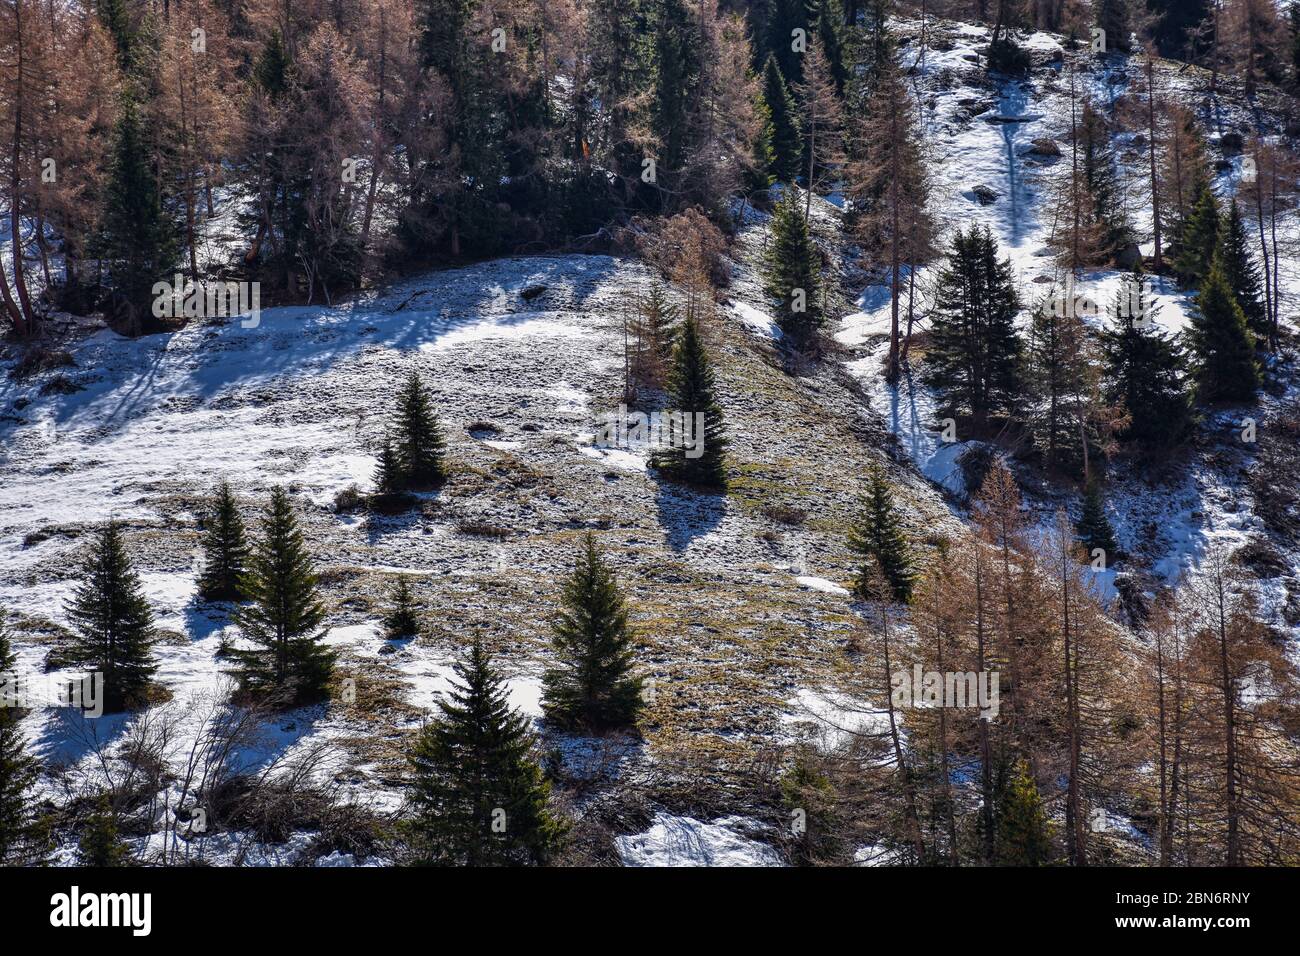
(532, 292)
(1044, 146)
(1129, 256)
(985, 195)
(1231, 143)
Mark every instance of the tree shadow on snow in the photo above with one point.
(686, 513)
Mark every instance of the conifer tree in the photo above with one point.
(113, 622)
(17, 767)
(478, 796)
(784, 18)
(1144, 371)
(389, 478)
(828, 33)
(1241, 272)
(402, 619)
(1094, 529)
(879, 538)
(138, 238)
(273, 67)
(1097, 161)
(1060, 369)
(1222, 347)
(420, 447)
(792, 269)
(1024, 832)
(693, 393)
(100, 844)
(786, 141)
(289, 663)
(655, 328)
(592, 687)
(975, 357)
(1199, 236)
(1113, 17)
(225, 549)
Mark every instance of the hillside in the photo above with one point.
(752, 643)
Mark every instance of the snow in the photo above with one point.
(756, 319)
(685, 841)
(831, 719)
(820, 584)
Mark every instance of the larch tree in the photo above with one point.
(889, 188)
(823, 123)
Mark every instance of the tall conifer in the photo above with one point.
(478, 796)
(113, 622)
(592, 687)
(289, 661)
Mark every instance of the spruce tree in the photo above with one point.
(402, 619)
(1024, 834)
(975, 358)
(225, 549)
(1145, 371)
(792, 273)
(100, 844)
(289, 664)
(138, 239)
(273, 67)
(878, 537)
(1199, 236)
(692, 393)
(478, 797)
(113, 623)
(1222, 347)
(786, 142)
(420, 447)
(1097, 159)
(1094, 529)
(17, 768)
(1242, 274)
(784, 18)
(1059, 370)
(592, 688)
(389, 477)
(829, 18)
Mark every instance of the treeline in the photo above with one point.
(352, 140)
(339, 143)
